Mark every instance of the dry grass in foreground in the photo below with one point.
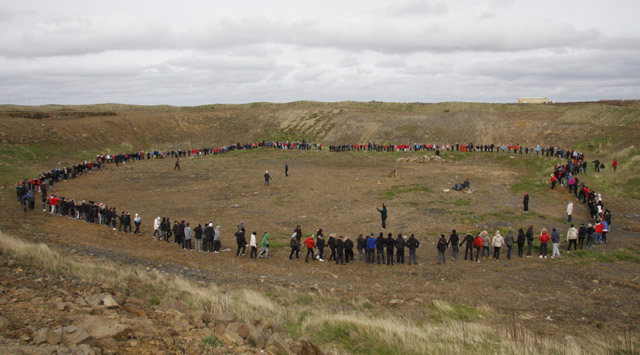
(337, 325)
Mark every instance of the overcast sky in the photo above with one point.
(204, 52)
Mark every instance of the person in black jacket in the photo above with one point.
(521, 239)
(529, 237)
(332, 246)
(400, 243)
(412, 244)
(320, 244)
(348, 250)
(360, 245)
(391, 243)
(340, 249)
(241, 242)
(380, 243)
(525, 202)
(453, 241)
(468, 241)
(442, 247)
(383, 216)
(582, 234)
(198, 236)
(127, 220)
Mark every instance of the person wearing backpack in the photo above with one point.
(293, 243)
(412, 244)
(468, 241)
(442, 247)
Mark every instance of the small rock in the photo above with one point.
(109, 302)
(395, 302)
(41, 336)
(276, 342)
(240, 329)
(75, 336)
(232, 337)
(224, 318)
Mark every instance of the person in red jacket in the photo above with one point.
(310, 244)
(553, 181)
(544, 239)
(615, 164)
(477, 243)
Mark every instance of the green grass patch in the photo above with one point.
(212, 341)
(304, 299)
(620, 254)
(462, 202)
(154, 301)
(352, 339)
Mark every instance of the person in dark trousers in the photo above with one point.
(371, 250)
(509, 240)
(442, 247)
(340, 251)
(332, 246)
(400, 244)
(412, 244)
(267, 177)
(348, 250)
(391, 243)
(525, 202)
(529, 236)
(177, 166)
(521, 239)
(453, 241)
(582, 234)
(286, 169)
(293, 242)
(380, 243)
(310, 244)
(360, 245)
(468, 242)
(544, 239)
(241, 242)
(320, 245)
(383, 216)
(477, 243)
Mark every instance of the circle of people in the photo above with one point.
(370, 248)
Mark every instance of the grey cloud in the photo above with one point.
(89, 35)
(418, 8)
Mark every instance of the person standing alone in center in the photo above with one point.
(383, 216)
(525, 202)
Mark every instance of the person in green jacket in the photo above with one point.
(264, 245)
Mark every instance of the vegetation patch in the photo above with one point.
(620, 254)
(396, 190)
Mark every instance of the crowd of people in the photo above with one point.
(371, 249)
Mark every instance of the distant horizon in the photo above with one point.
(330, 102)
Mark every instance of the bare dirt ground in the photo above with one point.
(339, 192)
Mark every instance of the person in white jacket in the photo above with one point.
(572, 238)
(156, 228)
(497, 242)
(569, 211)
(254, 246)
